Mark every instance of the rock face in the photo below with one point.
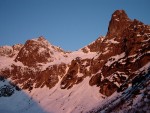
(123, 51)
(10, 51)
(118, 23)
(109, 61)
(36, 51)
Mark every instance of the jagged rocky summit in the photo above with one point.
(108, 62)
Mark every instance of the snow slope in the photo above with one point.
(80, 98)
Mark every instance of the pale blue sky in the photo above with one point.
(70, 24)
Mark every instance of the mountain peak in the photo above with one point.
(120, 14)
(41, 38)
(119, 21)
(35, 51)
(38, 50)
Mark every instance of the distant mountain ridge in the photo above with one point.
(107, 63)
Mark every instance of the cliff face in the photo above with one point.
(109, 61)
(119, 21)
(123, 53)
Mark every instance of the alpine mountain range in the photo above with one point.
(110, 75)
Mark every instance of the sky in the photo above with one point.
(69, 24)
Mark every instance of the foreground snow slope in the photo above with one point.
(80, 98)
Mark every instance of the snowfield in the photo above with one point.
(81, 98)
